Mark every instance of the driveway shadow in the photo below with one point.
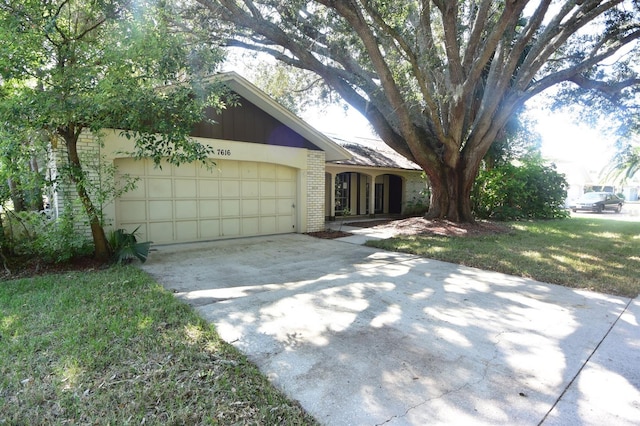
(362, 336)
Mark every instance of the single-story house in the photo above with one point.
(273, 174)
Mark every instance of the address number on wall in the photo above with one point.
(223, 152)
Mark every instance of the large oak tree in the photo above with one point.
(437, 79)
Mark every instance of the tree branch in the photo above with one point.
(611, 90)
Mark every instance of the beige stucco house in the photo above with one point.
(273, 174)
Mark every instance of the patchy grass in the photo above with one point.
(595, 254)
(113, 347)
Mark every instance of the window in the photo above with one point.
(342, 193)
(379, 200)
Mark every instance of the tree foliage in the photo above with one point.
(295, 89)
(70, 66)
(439, 80)
(530, 190)
(625, 163)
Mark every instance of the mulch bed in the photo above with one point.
(329, 234)
(23, 267)
(422, 226)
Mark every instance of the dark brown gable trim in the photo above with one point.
(248, 123)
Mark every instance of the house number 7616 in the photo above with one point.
(224, 152)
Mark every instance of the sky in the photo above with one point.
(563, 139)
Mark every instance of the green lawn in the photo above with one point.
(590, 253)
(113, 347)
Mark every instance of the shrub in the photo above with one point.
(531, 190)
(49, 239)
(125, 246)
(419, 203)
(416, 207)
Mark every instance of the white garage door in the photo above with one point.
(192, 203)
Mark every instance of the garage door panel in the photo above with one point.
(250, 189)
(230, 208)
(161, 232)
(159, 188)
(134, 211)
(268, 206)
(164, 169)
(268, 189)
(268, 225)
(187, 230)
(250, 226)
(209, 229)
(160, 210)
(230, 188)
(230, 227)
(186, 209)
(284, 206)
(250, 207)
(208, 208)
(185, 188)
(229, 169)
(139, 191)
(284, 224)
(190, 202)
(285, 189)
(208, 188)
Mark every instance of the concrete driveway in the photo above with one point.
(362, 336)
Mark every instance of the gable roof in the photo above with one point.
(369, 152)
(247, 90)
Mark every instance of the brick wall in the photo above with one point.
(315, 191)
(414, 189)
(65, 198)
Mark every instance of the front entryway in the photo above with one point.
(352, 194)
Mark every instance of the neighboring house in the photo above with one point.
(631, 191)
(270, 177)
(581, 180)
(578, 177)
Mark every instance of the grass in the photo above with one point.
(113, 347)
(595, 254)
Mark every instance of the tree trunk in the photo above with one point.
(451, 196)
(16, 195)
(78, 177)
(36, 200)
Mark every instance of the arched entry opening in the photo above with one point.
(352, 193)
(395, 193)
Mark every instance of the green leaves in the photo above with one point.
(126, 247)
(531, 190)
(69, 66)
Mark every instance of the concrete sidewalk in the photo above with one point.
(366, 337)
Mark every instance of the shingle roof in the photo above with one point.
(371, 152)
